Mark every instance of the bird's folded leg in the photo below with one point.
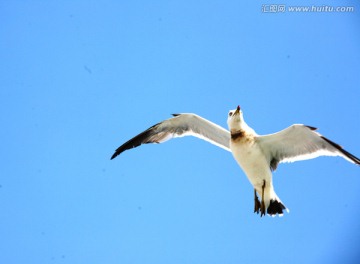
(257, 203)
(262, 207)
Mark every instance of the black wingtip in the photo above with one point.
(117, 152)
(136, 141)
(114, 155)
(350, 156)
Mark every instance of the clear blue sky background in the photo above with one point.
(78, 78)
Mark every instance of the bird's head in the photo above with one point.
(235, 119)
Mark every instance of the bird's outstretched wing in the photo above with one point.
(179, 126)
(300, 142)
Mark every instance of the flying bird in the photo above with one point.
(257, 155)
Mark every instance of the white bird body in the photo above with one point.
(250, 156)
(253, 162)
(257, 155)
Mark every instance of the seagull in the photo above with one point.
(257, 155)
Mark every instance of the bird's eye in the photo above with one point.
(230, 113)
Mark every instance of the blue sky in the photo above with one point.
(79, 78)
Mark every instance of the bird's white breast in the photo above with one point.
(251, 159)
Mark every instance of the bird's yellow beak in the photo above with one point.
(237, 110)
